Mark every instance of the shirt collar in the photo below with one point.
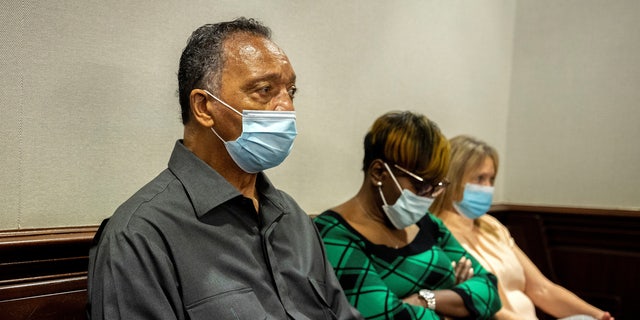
(206, 188)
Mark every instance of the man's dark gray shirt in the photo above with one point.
(188, 245)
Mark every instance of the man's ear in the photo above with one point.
(200, 108)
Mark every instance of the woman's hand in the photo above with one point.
(464, 270)
(606, 316)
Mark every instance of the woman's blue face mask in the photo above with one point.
(476, 200)
(408, 209)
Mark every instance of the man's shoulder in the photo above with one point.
(156, 197)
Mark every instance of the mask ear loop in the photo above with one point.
(223, 103)
(226, 105)
(384, 201)
(392, 177)
(217, 135)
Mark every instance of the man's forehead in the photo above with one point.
(256, 58)
(251, 47)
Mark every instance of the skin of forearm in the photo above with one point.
(560, 302)
(415, 300)
(448, 303)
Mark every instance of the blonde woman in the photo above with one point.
(463, 207)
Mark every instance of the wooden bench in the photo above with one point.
(594, 253)
(43, 273)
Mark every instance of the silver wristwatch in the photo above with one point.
(428, 296)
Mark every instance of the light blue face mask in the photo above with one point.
(476, 201)
(408, 209)
(266, 140)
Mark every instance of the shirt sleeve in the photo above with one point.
(339, 305)
(480, 292)
(361, 283)
(131, 278)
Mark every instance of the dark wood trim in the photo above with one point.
(81, 232)
(43, 272)
(43, 254)
(565, 210)
(593, 252)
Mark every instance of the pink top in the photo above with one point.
(495, 253)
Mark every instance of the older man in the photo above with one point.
(211, 237)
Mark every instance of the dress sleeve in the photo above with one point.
(360, 281)
(480, 292)
(131, 278)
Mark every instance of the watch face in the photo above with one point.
(427, 294)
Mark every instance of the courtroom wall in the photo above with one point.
(89, 111)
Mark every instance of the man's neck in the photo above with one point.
(213, 152)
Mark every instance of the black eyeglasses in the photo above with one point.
(425, 188)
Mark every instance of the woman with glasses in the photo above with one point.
(393, 259)
(462, 207)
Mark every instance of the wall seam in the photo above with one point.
(21, 116)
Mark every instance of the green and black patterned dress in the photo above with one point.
(375, 277)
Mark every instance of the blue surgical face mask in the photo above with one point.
(476, 201)
(408, 209)
(266, 140)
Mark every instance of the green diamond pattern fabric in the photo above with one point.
(376, 277)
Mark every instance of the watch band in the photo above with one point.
(429, 297)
